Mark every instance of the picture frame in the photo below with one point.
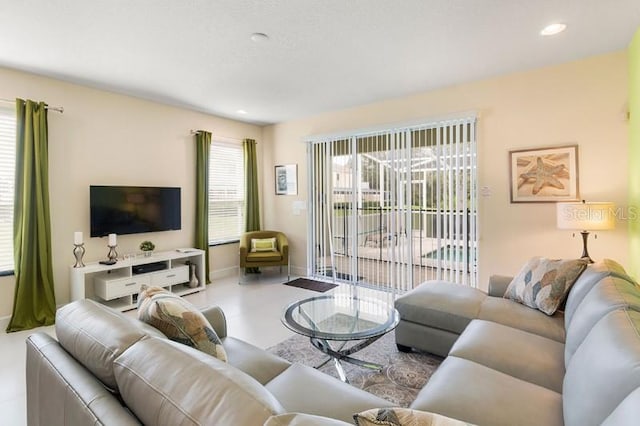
(286, 179)
(544, 175)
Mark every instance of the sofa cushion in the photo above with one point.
(471, 392)
(166, 383)
(403, 417)
(306, 390)
(608, 294)
(60, 391)
(513, 314)
(179, 320)
(301, 419)
(259, 364)
(585, 282)
(95, 335)
(627, 413)
(543, 283)
(518, 353)
(604, 369)
(441, 304)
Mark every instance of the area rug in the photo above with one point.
(314, 285)
(403, 376)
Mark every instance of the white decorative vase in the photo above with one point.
(193, 278)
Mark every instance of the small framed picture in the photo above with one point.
(544, 175)
(287, 179)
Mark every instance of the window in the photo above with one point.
(226, 192)
(7, 176)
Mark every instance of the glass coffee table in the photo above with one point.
(341, 319)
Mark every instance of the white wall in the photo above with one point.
(581, 102)
(107, 138)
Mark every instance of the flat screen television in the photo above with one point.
(133, 209)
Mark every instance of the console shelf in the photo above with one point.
(118, 285)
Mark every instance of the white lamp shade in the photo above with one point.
(586, 216)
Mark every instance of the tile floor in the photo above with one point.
(253, 313)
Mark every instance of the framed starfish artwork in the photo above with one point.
(544, 175)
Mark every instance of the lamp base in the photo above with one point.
(585, 252)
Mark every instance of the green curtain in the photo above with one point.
(203, 145)
(34, 302)
(252, 201)
(252, 205)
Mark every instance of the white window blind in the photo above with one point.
(395, 207)
(226, 192)
(7, 177)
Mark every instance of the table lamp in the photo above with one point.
(586, 217)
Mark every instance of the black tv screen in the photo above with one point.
(133, 209)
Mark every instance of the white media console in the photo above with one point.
(118, 285)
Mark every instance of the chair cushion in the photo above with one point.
(403, 417)
(471, 392)
(263, 244)
(518, 353)
(179, 320)
(166, 383)
(264, 256)
(543, 283)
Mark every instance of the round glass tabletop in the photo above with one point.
(340, 317)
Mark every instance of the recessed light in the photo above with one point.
(259, 37)
(241, 111)
(553, 29)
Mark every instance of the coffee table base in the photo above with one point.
(344, 355)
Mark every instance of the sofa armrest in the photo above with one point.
(498, 285)
(216, 318)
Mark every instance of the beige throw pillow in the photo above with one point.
(543, 283)
(263, 244)
(179, 320)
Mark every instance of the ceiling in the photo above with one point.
(321, 55)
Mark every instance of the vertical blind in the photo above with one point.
(7, 178)
(395, 207)
(226, 192)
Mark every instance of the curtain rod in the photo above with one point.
(223, 138)
(56, 109)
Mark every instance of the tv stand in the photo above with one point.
(118, 285)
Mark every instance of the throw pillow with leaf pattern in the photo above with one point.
(543, 283)
(179, 320)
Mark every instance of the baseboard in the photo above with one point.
(233, 271)
(4, 322)
(223, 273)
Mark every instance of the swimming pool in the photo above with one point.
(447, 253)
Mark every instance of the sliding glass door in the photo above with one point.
(396, 207)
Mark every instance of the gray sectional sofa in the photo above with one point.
(505, 364)
(109, 369)
(508, 364)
